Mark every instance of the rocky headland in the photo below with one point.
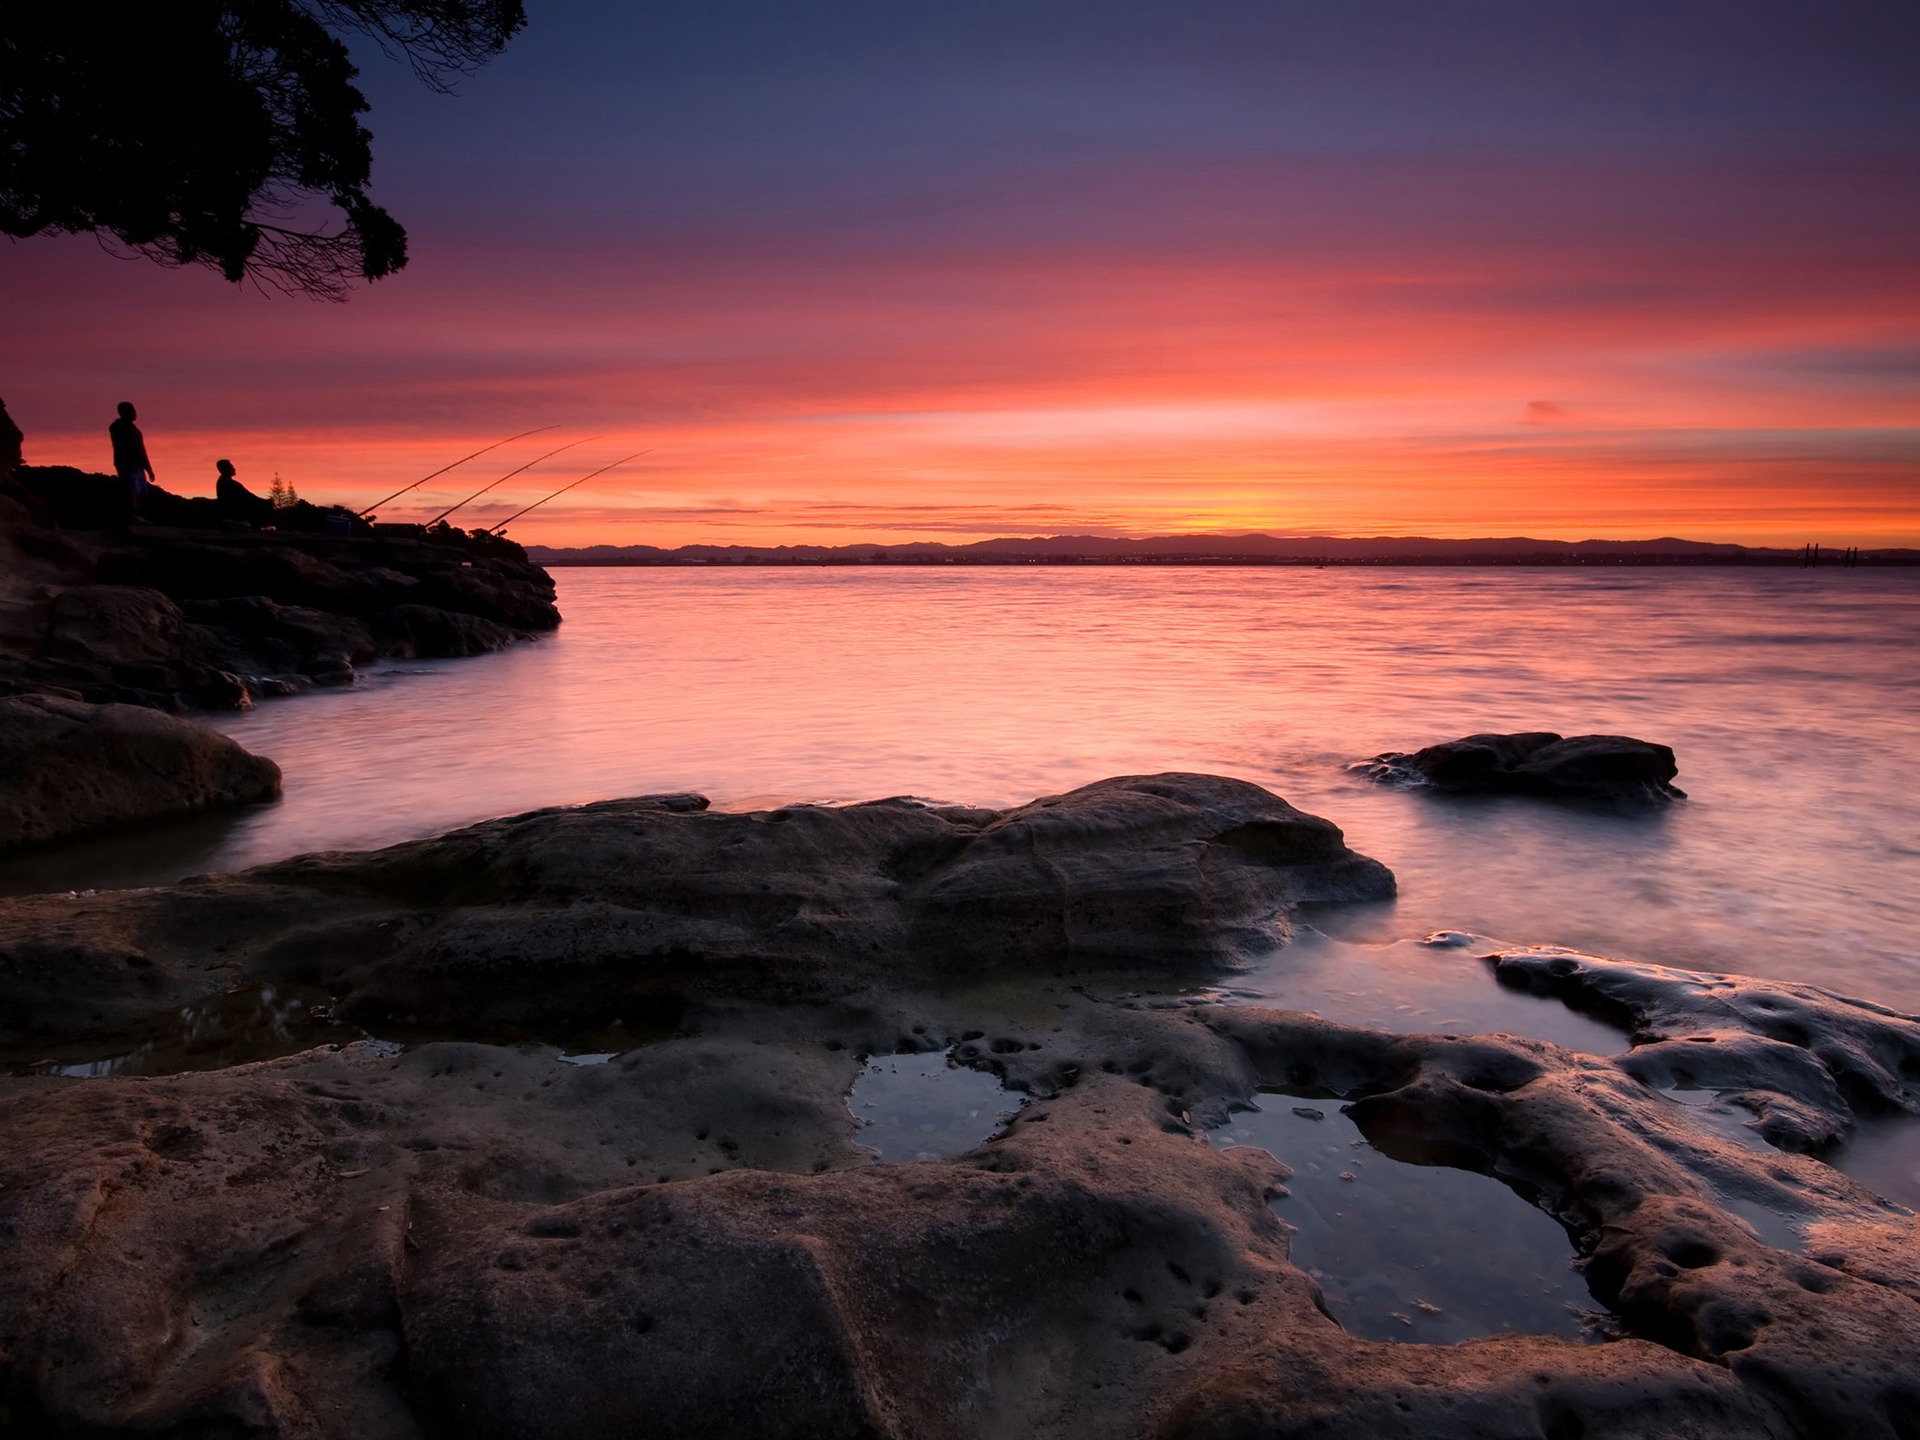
(190, 614)
(411, 1216)
(1584, 769)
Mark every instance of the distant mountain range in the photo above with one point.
(1221, 550)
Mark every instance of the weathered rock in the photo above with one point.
(1804, 1061)
(257, 639)
(68, 768)
(422, 632)
(1606, 768)
(35, 560)
(119, 626)
(345, 575)
(516, 923)
(1650, 1195)
(685, 1242)
(1037, 1286)
(473, 1239)
(200, 618)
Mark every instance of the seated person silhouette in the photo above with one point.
(236, 502)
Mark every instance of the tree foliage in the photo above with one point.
(218, 132)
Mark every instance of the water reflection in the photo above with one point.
(1438, 985)
(1884, 1155)
(1792, 699)
(1413, 1252)
(247, 1023)
(927, 1106)
(154, 855)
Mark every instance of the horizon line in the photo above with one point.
(1186, 538)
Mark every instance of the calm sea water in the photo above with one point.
(1792, 698)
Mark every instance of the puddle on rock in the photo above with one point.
(1884, 1155)
(266, 1021)
(926, 1106)
(1710, 1110)
(1420, 1253)
(251, 1022)
(1412, 987)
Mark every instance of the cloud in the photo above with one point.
(1251, 342)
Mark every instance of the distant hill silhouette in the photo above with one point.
(1220, 549)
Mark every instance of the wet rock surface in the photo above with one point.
(1603, 769)
(473, 1237)
(68, 768)
(1805, 1064)
(618, 909)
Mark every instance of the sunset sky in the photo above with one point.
(945, 269)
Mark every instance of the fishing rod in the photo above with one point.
(461, 461)
(564, 488)
(508, 476)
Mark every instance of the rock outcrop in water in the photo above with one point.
(68, 768)
(96, 617)
(478, 1239)
(185, 619)
(1608, 769)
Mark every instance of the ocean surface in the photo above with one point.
(1792, 698)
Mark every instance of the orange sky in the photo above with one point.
(1372, 348)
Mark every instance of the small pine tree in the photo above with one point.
(283, 495)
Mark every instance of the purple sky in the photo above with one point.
(861, 270)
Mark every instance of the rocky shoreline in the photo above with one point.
(543, 1127)
(99, 618)
(414, 1217)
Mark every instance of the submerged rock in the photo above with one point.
(68, 768)
(1605, 768)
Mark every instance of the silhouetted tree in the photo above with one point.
(218, 132)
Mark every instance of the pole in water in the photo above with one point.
(461, 461)
(508, 476)
(564, 488)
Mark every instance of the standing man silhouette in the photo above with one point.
(130, 454)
